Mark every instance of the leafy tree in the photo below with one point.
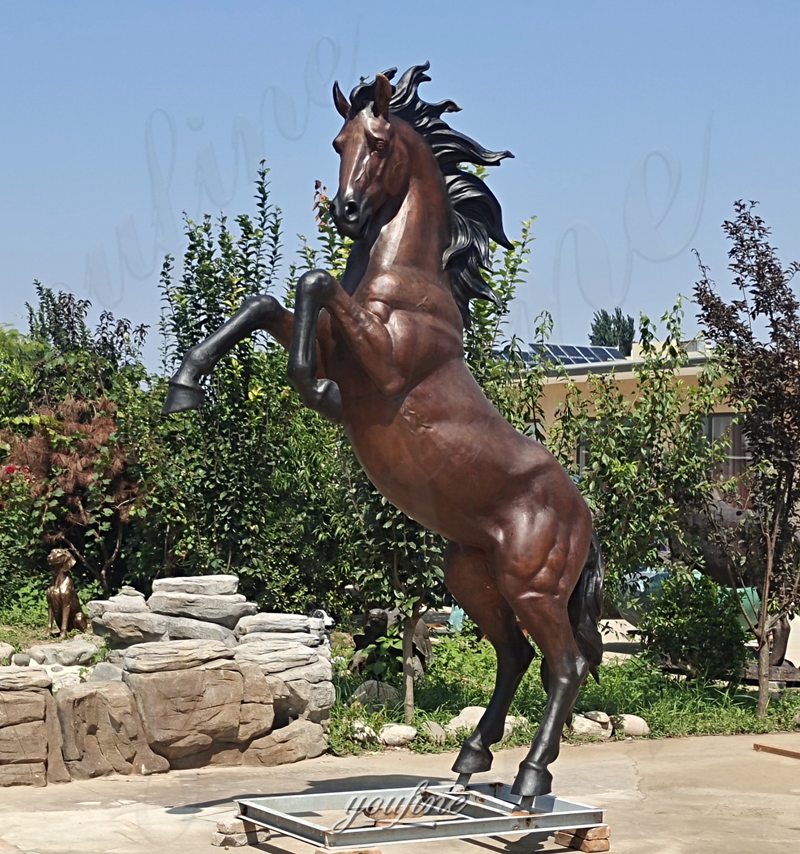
(511, 376)
(65, 466)
(692, 624)
(245, 484)
(18, 358)
(757, 336)
(612, 330)
(647, 458)
(74, 360)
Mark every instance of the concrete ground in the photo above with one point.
(672, 796)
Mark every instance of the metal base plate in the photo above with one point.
(425, 813)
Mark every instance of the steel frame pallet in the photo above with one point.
(426, 813)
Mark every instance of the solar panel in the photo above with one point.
(571, 354)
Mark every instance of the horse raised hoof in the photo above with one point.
(328, 400)
(531, 781)
(182, 397)
(472, 759)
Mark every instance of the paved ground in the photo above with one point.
(675, 796)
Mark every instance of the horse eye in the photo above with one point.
(380, 144)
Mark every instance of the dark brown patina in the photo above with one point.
(381, 352)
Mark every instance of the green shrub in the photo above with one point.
(692, 624)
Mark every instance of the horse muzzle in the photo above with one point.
(349, 216)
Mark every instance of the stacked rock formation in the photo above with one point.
(194, 677)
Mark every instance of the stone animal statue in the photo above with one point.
(721, 531)
(382, 353)
(64, 612)
(377, 622)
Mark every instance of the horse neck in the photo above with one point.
(417, 232)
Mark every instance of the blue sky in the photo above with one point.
(635, 126)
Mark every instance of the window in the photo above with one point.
(737, 458)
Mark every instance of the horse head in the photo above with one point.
(373, 171)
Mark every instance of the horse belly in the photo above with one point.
(447, 480)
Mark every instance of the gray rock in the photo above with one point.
(235, 827)
(467, 718)
(513, 722)
(582, 725)
(310, 700)
(97, 607)
(598, 717)
(435, 732)
(397, 735)
(21, 659)
(64, 676)
(373, 694)
(282, 639)
(632, 725)
(25, 742)
(300, 740)
(317, 671)
(103, 732)
(124, 628)
(20, 678)
(226, 610)
(105, 672)
(362, 733)
(23, 774)
(21, 707)
(173, 655)
(185, 628)
(205, 585)
(128, 599)
(188, 714)
(6, 651)
(252, 836)
(68, 653)
(274, 623)
(272, 660)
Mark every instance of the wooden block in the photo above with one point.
(602, 831)
(349, 851)
(579, 843)
(779, 751)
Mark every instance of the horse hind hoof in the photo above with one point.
(182, 397)
(531, 781)
(473, 759)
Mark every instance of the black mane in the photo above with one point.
(476, 217)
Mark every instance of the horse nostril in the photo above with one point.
(351, 211)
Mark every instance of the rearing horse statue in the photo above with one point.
(381, 352)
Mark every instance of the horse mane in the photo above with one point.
(476, 216)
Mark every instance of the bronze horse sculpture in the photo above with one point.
(381, 352)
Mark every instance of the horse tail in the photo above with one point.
(585, 607)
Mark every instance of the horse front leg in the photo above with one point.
(257, 312)
(314, 289)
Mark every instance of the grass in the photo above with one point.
(462, 674)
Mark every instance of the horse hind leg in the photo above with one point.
(544, 613)
(468, 579)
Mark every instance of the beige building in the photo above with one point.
(576, 364)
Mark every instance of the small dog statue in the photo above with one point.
(64, 611)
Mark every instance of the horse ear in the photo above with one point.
(383, 92)
(342, 104)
